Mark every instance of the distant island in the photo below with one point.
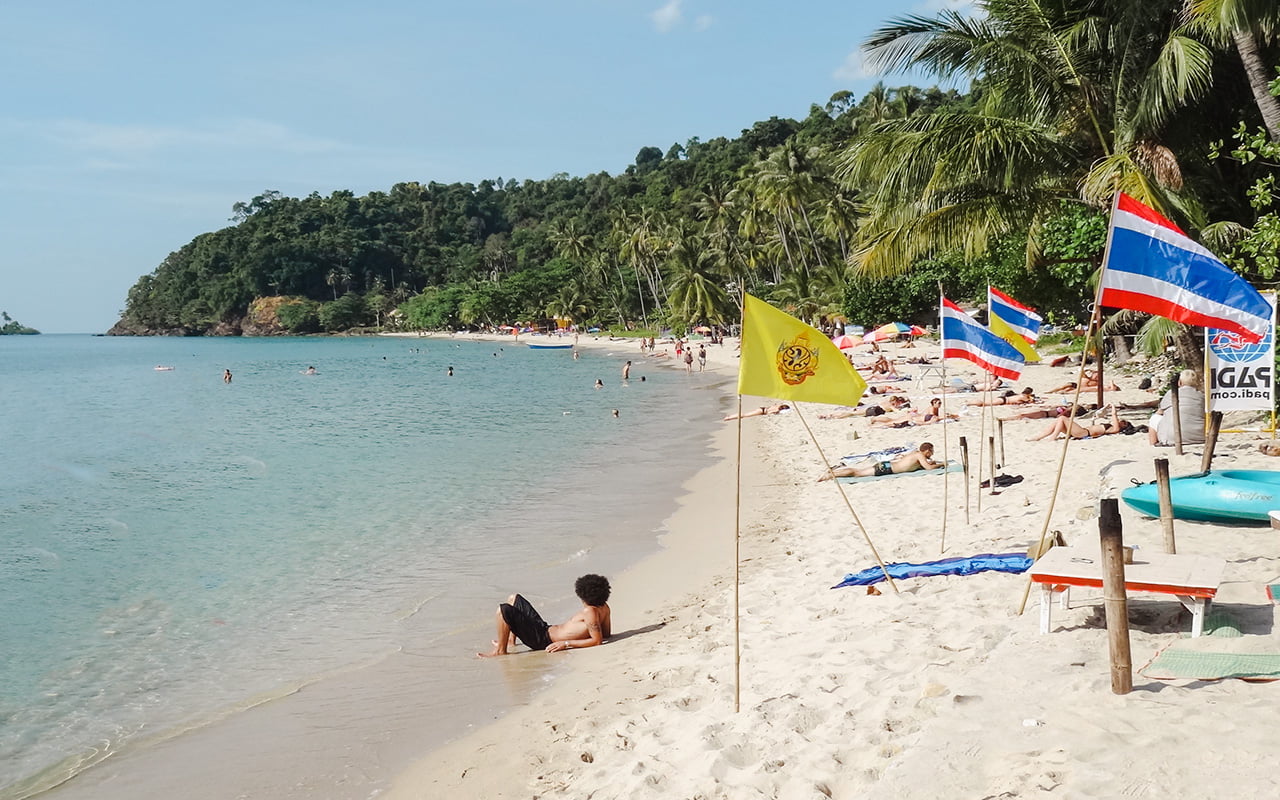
(12, 326)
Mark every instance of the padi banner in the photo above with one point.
(1242, 375)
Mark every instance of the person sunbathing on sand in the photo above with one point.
(883, 366)
(1066, 425)
(1090, 382)
(760, 412)
(895, 403)
(1027, 397)
(1040, 413)
(517, 619)
(920, 459)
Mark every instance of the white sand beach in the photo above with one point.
(941, 689)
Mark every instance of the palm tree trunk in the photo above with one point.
(1268, 104)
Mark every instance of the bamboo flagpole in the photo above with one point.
(782, 357)
(866, 536)
(942, 543)
(1094, 321)
(737, 560)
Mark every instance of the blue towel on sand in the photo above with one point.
(964, 565)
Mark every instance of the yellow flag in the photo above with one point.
(784, 358)
(1001, 328)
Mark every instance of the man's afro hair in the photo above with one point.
(592, 589)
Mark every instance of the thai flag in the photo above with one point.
(1153, 266)
(963, 337)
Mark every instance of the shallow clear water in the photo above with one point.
(173, 547)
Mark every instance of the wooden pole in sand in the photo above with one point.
(1166, 504)
(737, 541)
(982, 436)
(1000, 436)
(888, 578)
(1177, 415)
(1211, 440)
(1094, 322)
(964, 462)
(1114, 600)
(991, 460)
(946, 482)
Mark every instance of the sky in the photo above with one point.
(129, 128)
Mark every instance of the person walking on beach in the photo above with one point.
(702, 357)
(518, 619)
(688, 361)
(226, 376)
(626, 370)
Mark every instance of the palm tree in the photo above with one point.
(1077, 98)
(1245, 23)
(697, 287)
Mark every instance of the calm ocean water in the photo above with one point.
(175, 549)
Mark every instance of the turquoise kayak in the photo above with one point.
(1235, 495)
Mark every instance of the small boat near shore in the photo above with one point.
(162, 368)
(1235, 495)
(548, 346)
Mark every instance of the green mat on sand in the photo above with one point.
(1172, 664)
(952, 466)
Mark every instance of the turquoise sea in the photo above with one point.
(280, 581)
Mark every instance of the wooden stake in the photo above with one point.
(737, 539)
(1211, 440)
(991, 462)
(1000, 435)
(1115, 601)
(1177, 415)
(964, 462)
(1166, 504)
(982, 436)
(883, 567)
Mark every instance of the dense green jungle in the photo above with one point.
(856, 212)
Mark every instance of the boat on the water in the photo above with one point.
(1234, 495)
(548, 346)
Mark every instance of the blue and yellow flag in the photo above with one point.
(784, 358)
(1017, 324)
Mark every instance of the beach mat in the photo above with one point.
(952, 466)
(1174, 664)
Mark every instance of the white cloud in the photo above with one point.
(667, 17)
(854, 68)
(703, 22)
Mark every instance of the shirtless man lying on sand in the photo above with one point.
(920, 459)
(517, 619)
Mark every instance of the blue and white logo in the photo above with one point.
(1231, 347)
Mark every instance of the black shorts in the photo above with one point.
(526, 623)
(884, 468)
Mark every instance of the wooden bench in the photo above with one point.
(1192, 579)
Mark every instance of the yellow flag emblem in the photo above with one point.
(784, 358)
(797, 360)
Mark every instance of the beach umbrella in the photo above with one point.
(916, 330)
(702, 329)
(845, 341)
(893, 329)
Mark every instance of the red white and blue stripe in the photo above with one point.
(964, 337)
(1153, 266)
(1022, 320)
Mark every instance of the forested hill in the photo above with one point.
(667, 232)
(859, 211)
